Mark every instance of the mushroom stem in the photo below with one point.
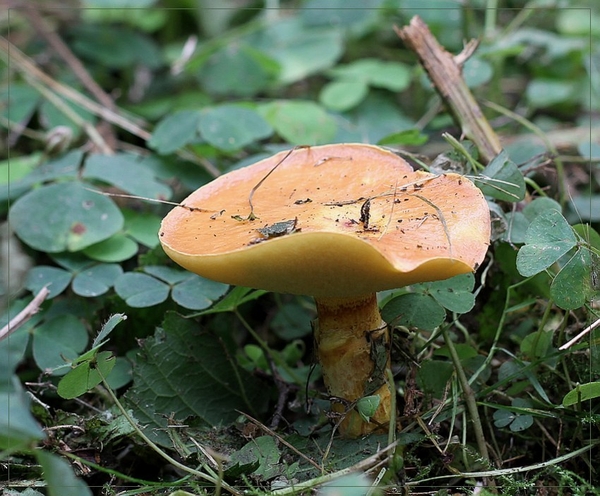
(353, 348)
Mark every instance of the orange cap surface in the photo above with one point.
(336, 220)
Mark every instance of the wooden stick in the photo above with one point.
(24, 315)
(444, 70)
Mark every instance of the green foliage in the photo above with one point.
(174, 375)
(581, 393)
(352, 81)
(423, 308)
(153, 287)
(502, 180)
(59, 476)
(514, 418)
(57, 341)
(200, 91)
(64, 217)
(262, 455)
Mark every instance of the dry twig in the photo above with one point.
(24, 315)
(444, 70)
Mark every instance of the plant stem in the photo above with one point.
(368, 463)
(491, 14)
(469, 394)
(160, 452)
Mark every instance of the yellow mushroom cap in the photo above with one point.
(331, 221)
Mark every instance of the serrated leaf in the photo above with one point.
(414, 310)
(64, 217)
(264, 451)
(57, 342)
(54, 278)
(291, 321)
(175, 131)
(141, 290)
(184, 372)
(548, 238)
(96, 280)
(198, 293)
(502, 180)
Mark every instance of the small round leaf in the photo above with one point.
(57, 342)
(343, 95)
(455, 293)
(231, 127)
(197, 293)
(414, 310)
(117, 248)
(64, 217)
(367, 406)
(175, 131)
(142, 226)
(56, 279)
(574, 285)
(96, 280)
(141, 290)
(300, 122)
(548, 238)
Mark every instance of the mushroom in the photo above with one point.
(339, 223)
